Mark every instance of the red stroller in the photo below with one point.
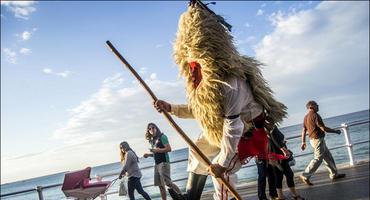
(77, 184)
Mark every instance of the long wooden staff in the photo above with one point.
(171, 121)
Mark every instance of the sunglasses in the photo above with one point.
(151, 128)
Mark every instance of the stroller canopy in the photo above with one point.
(77, 184)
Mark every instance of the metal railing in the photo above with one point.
(344, 127)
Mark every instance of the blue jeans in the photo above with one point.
(265, 171)
(134, 183)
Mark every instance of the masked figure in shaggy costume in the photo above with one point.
(226, 94)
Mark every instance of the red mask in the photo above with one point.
(196, 73)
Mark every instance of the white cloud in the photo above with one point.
(10, 55)
(247, 25)
(47, 71)
(259, 12)
(18, 3)
(276, 17)
(26, 35)
(21, 9)
(263, 5)
(119, 112)
(25, 51)
(113, 81)
(63, 74)
(153, 76)
(159, 46)
(318, 53)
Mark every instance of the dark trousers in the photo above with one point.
(265, 171)
(134, 183)
(287, 171)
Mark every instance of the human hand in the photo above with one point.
(161, 106)
(338, 131)
(303, 146)
(155, 150)
(120, 176)
(216, 170)
(285, 152)
(146, 155)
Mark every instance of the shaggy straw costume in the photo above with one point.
(201, 38)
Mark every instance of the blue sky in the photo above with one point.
(66, 101)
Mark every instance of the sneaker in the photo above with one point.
(305, 180)
(338, 176)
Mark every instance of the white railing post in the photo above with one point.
(348, 144)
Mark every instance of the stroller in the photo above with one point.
(77, 185)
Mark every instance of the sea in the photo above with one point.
(178, 170)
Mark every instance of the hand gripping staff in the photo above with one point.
(171, 121)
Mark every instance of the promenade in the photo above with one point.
(355, 186)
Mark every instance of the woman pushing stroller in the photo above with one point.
(131, 169)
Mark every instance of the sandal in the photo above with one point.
(298, 198)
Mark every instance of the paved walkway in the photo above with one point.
(355, 186)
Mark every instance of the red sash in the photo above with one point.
(256, 146)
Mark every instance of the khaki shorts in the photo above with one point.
(162, 174)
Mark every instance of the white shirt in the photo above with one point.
(238, 100)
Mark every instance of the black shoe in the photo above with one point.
(338, 176)
(174, 195)
(305, 180)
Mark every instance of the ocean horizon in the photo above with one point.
(178, 170)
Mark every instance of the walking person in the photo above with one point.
(132, 171)
(162, 169)
(265, 171)
(226, 95)
(278, 147)
(316, 129)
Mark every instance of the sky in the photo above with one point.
(67, 102)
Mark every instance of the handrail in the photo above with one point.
(344, 126)
(18, 192)
(31, 190)
(354, 123)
